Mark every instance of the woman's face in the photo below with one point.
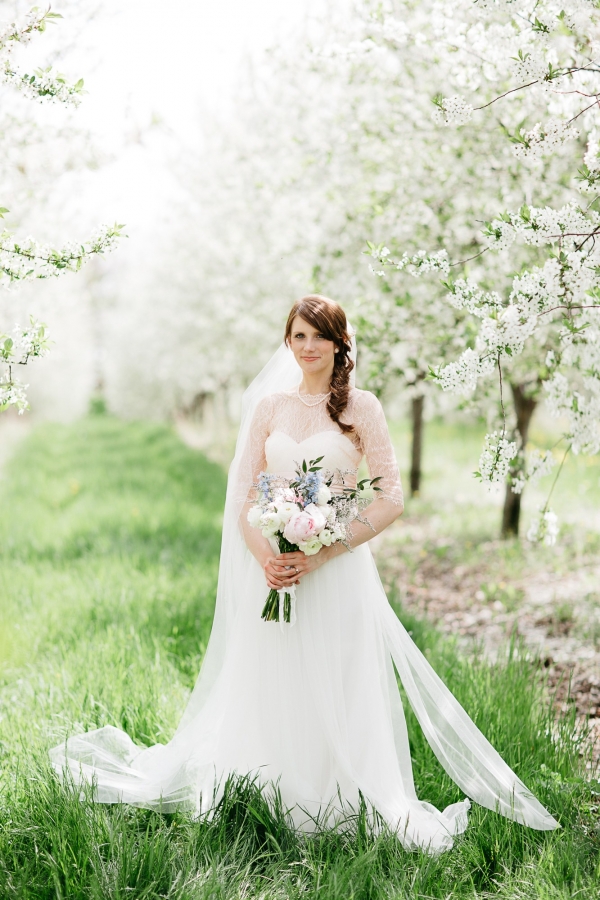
(313, 352)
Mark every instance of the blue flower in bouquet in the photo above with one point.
(312, 484)
(264, 485)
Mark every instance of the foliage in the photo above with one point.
(108, 574)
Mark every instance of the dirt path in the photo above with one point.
(556, 614)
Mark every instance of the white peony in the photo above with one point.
(286, 510)
(310, 547)
(271, 523)
(326, 537)
(254, 516)
(324, 495)
(328, 512)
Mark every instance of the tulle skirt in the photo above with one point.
(314, 709)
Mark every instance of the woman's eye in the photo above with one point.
(299, 336)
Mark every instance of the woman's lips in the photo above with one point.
(309, 358)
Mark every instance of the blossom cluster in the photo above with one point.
(496, 457)
(12, 393)
(28, 259)
(452, 111)
(43, 84)
(543, 139)
(25, 343)
(543, 527)
(13, 33)
(420, 263)
(538, 463)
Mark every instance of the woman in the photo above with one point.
(313, 707)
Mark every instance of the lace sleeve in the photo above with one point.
(371, 426)
(253, 459)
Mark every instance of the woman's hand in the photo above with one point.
(288, 568)
(280, 574)
(303, 564)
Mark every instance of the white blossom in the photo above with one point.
(13, 393)
(543, 139)
(496, 458)
(530, 65)
(538, 463)
(452, 111)
(544, 527)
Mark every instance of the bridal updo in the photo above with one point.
(330, 319)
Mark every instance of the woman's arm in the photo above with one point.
(252, 463)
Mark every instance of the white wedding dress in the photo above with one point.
(315, 707)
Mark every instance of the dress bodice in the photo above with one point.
(285, 430)
(283, 454)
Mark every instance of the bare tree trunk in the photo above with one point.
(416, 453)
(524, 409)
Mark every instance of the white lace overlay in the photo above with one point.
(283, 420)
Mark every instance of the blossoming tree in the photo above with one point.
(23, 259)
(537, 330)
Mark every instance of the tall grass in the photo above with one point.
(109, 543)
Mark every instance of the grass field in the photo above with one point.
(109, 542)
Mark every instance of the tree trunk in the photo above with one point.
(417, 404)
(524, 409)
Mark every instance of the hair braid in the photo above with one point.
(340, 386)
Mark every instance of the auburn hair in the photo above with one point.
(329, 319)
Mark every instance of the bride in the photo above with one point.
(312, 707)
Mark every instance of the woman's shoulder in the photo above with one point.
(363, 401)
(362, 411)
(270, 401)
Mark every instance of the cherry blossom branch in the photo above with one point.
(505, 94)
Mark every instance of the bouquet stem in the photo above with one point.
(270, 611)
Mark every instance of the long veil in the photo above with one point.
(281, 373)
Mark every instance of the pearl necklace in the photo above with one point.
(315, 402)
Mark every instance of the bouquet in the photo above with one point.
(303, 513)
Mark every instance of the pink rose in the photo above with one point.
(304, 525)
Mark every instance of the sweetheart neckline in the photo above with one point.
(317, 433)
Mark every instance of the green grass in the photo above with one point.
(109, 542)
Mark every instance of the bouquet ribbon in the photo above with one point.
(291, 592)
